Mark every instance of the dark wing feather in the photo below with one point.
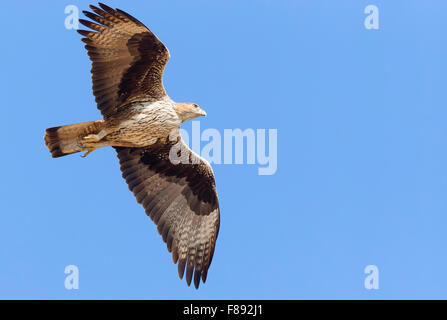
(180, 198)
(128, 60)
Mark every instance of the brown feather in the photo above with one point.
(128, 60)
(181, 200)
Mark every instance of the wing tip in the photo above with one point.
(189, 272)
(86, 33)
(105, 7)
(197, 275)
(204, 275)
(92, 7)
(181, 268)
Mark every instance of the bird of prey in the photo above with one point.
(175, 186)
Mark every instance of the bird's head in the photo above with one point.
(188, 111)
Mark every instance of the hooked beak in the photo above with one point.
(202, 113)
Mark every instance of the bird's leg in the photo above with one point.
(89, 148)
(90, 138)
(91, 142)
(88, 143)
(86, 154)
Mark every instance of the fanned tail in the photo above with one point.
(65, 140)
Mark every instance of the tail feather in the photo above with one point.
(65, 140)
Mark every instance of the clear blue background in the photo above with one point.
(362, 179)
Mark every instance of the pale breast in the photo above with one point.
(143, 123)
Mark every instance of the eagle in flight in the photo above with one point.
(175, 186)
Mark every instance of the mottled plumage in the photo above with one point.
(175, 186)
(180, 198)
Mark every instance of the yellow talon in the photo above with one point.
(87, 146)
(87, 153)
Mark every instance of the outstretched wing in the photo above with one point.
(180, 198)
(128, 60)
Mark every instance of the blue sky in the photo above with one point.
(361, 176)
